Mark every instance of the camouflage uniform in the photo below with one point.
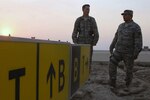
(85, 31)
(127, 43)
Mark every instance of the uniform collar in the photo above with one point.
(128, 24)
(82, 17)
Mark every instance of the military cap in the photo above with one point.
(127, 12)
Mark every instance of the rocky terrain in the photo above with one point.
(97, 88)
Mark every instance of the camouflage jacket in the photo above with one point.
(128, 38)
(85, 31)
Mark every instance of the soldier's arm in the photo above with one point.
(75, 31)
(138, 42)
(96, 34)
(112, 46)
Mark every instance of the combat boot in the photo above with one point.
(127, 88)
(112, 83)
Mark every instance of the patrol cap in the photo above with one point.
(127, 12)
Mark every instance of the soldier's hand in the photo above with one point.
(94, 44)
(135, 55)
(111, 50)
(75, 40)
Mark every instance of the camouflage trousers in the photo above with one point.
(128, 60)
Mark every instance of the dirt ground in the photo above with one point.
(97, 88)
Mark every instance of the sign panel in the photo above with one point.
(41, 71)
(18, 71)
(54, 70)
(84, 63)
(75, 69)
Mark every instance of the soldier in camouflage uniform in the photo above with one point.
(85, 29)
(128, 44)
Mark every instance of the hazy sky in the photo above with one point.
(54, 19)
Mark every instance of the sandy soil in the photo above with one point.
(97, 88)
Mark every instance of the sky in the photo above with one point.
(54, 19)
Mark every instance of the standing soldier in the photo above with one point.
(128, 44)
(85, 30)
